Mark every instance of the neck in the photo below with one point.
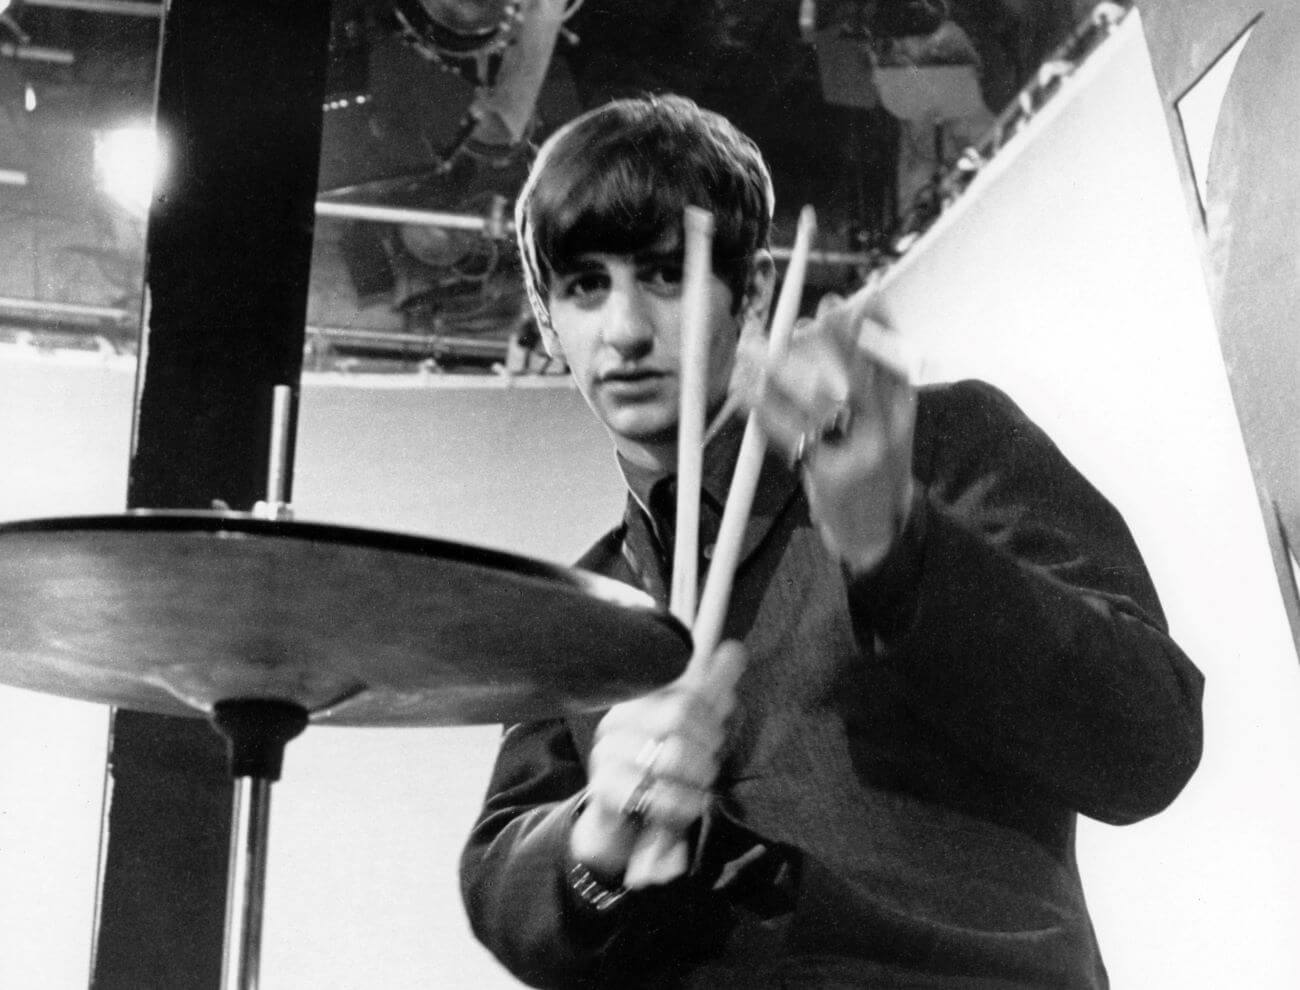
(660, 454)
(650, 455)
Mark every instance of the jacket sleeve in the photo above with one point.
(514, 881)
(1021, 622)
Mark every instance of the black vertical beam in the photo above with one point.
(240, 88)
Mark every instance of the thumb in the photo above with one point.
(828, 302)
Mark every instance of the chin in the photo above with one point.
(640, 427)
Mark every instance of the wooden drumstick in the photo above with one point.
(707, 630)
(656, 854)
(697, 266)
(660, 856)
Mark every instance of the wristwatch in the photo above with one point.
(591, 892)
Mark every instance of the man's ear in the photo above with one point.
(761, 284)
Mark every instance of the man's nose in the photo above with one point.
(628, 328)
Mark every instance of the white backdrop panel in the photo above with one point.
(1069, 277)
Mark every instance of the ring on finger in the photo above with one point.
(833, 429)
(637, 803)
(837, 425)
(802, 447)
(648, 757)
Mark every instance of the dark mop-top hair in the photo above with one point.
(619, 177)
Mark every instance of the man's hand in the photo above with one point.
(841, 403)
(654, 762)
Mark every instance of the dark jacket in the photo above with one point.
(910, 749)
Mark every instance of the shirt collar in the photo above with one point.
(777, 482)
(719, 464)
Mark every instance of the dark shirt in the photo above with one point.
(910, 750)
(655, 493)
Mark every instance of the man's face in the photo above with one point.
(616, 319)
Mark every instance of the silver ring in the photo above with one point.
(637, 802)
(833, 429)
(837, 425)
(802, 446)
(649, 755)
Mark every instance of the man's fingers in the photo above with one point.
(680, 709)
(886, 350)
(724, 669)
(690, 761)
(626, 793)
(827, 303)
(662, 802)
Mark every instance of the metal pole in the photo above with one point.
(246, 883)
(47, 307)
(37, 53)
(239, 97)
(467, 221)
(278, 463)
(394, 214)
(127, 8)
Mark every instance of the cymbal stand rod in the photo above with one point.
(277, 470)
(256, 731)
(246, 883)
(279, 459)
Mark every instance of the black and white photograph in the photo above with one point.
(695, 495)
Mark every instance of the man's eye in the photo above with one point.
(583, 286)
(667, 277)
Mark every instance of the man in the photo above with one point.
(943, 643)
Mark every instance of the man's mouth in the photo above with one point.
(630, 376)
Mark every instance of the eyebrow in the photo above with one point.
(587, 260)
(659, 256)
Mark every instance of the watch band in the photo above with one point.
(591, 892)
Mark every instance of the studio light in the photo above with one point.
(10, 25)
(467, 37)
(128, 162)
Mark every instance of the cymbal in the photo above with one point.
(173, 611)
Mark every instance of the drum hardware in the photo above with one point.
(265, 625)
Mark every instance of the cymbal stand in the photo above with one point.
(256, 732)
(277, 471)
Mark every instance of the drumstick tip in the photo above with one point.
(807, 223)
(698, 220)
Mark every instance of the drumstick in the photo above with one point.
(697, 266)
(726, 551)
(660, 856)
(655, 853)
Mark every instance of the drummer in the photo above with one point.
(943, 644)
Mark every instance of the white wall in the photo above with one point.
(64, 438)
(1069, 277)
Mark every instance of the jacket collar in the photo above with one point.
(778, 484)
